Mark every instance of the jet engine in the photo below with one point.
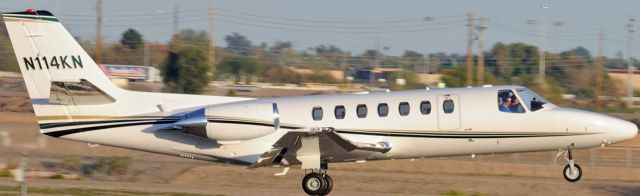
(231, 122)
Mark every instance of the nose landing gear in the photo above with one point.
(317, 183)
(572, 172)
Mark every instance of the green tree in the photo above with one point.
(239, 44)
(413, 60)
(8, 59)
(457, 77)
(131, 39)
(238, 66)
(186, 68)
(410, 77)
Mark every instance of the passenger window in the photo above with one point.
(361, 111)
(425, 107)
(340, 112)
(508, 102)
(316, 113)
(383, 110)
(404, 108)
(448, 106)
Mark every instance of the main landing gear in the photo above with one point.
(572, 172)
(318, 182)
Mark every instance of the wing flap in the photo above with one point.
(309, 146)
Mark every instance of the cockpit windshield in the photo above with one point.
(533, 101)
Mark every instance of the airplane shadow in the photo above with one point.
(610, 189)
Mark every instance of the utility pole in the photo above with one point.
(147, 55)
(176, 31)
(630, 63)
(543, 34)
(99, 32)
(212, 39)
(469, 45)
(376, 62)
(481, 29)
(599, 69)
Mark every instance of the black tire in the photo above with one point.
(565, 173)
(329, 185)
(314, 184)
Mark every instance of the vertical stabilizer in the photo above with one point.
(47, 54)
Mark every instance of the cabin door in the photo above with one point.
(448, 112)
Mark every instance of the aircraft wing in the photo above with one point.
(309, 146)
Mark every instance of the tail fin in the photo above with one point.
(52, 62)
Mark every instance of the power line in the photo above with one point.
(335, 21)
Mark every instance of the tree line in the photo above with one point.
(185, 68)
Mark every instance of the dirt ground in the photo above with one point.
(217, 179)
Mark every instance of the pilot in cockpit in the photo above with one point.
(516, 106)
(504, 103)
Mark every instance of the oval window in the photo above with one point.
(383, 110)
(361, 111)
(425, 107)
(340, 112)
(404, 108)
(316, 113)
(448, 106)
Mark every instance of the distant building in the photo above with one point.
(132, 72)
(620, 75)
(362, 76)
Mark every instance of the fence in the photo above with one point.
(625, 157)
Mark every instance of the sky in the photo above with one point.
(357, 25)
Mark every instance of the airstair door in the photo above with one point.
(448, 112)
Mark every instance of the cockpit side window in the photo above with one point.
(508, 102)
(532, 99)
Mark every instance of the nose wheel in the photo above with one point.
(317, 183)
(572, 172)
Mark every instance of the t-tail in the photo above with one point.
(58, 73)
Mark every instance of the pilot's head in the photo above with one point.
(514, 100)
(506, 100)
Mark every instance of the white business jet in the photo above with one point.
(74, 100)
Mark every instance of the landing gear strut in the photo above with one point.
(572, 172)
(318, 182)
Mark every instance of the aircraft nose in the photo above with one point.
(624, 130)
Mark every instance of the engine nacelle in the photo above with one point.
(231, 122)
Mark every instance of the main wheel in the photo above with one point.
(314, 184)
(572, 176)
(329, 185)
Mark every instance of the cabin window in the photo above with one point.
(383, 110)
(316, 113)
(448, 106)
(508, 102)
(404, 108)
(340, 112)
(425, 107)
(361, 111)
